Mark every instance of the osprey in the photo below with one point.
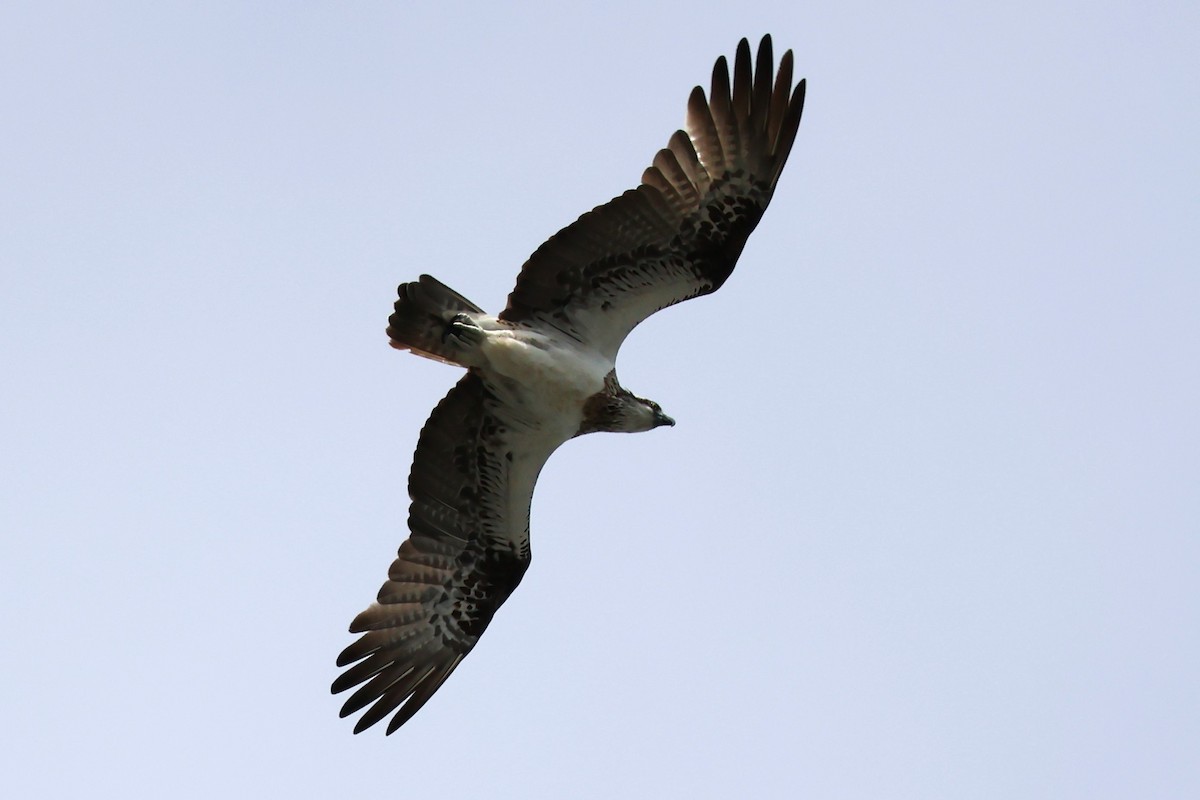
(542, 371)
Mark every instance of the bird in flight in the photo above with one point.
(543, 371)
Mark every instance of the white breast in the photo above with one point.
(549, 377)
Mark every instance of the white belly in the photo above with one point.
(549, 377)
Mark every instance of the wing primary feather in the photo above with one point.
(680, 191)
(703, 131)
(396, 692)
(742, 88)
(360, 672)
(431, 683)
(654, 178)
(682, 147)
(779, 101)
(372, 642)
(724, 121)
(742, 104)
(764, 69)
(788, 130)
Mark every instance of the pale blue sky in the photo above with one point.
(928, 524)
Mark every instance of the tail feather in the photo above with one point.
(423, 310)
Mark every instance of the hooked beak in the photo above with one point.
(662, 419)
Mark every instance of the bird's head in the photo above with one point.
(639, 414)
(618, 410)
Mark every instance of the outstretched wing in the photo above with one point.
(471, 483)
(678, 234)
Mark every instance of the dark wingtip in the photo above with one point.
(720, 70)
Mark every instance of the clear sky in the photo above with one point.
(928, 524)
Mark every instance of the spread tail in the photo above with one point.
(423, 311)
